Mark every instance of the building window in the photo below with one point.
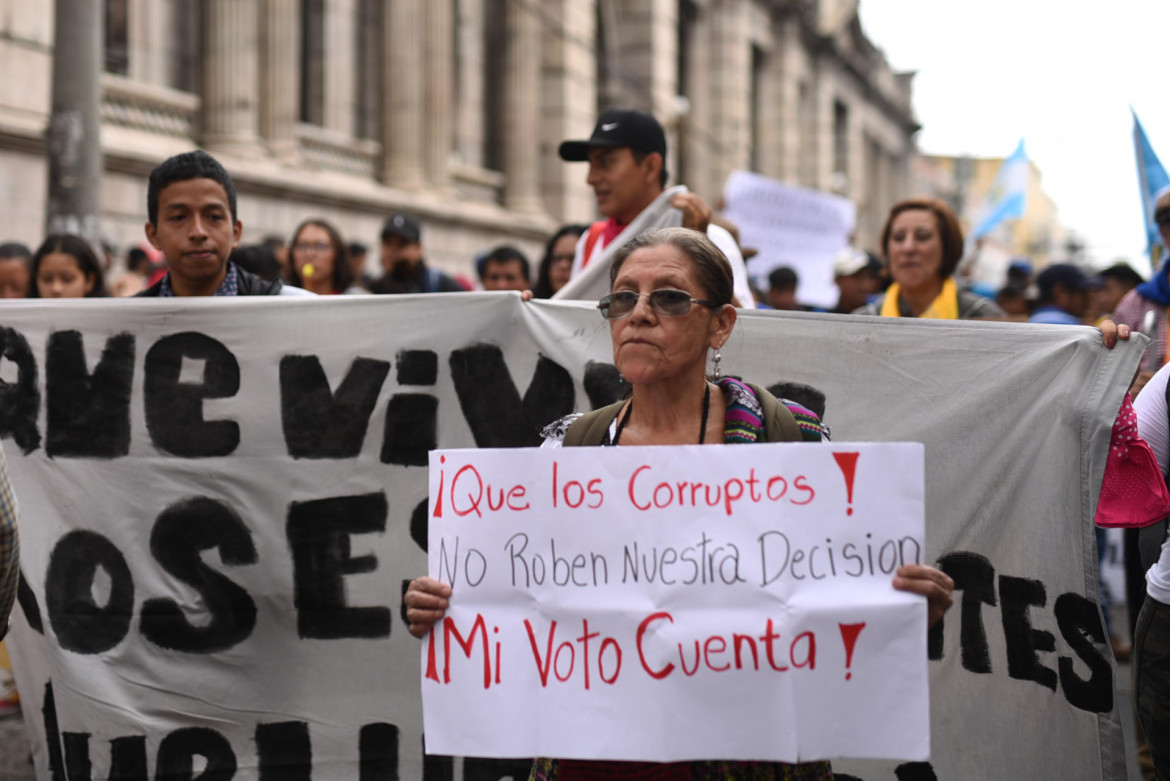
(495, 56)
(688, 20)
(117, 42)
(312, 85)
(368, 81)
(756, 129)
(186, 24)
(840, 139)
(807, 165)
(610, 89)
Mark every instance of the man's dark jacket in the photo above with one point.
(249, 285)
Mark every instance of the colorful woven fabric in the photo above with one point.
(9, 546)
(744, 420)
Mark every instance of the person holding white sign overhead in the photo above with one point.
(668, 308)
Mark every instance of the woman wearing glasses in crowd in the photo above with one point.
(669, 307)
(319, 259)
(557, 264)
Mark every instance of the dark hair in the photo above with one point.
(180, 168)
(663, 175)
(782, 278)
(503, 254)
(14, 250)
(258, 259)
(949, 231)
(1123, 273)
(543, 287)
(357, 248)
(712, 269)
(342, 276)
(137, 261)
(76, 248)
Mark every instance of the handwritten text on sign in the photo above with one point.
(678, 603)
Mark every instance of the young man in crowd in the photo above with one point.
(855, 273)
(191, 206)
(1064, 295)
(505, 268)
(627, 171)
(403, 263)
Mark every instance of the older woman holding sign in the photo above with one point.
(923, 244)
(669, 306)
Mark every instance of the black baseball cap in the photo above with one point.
(638, 130)
(402, 225)
(1066, 275)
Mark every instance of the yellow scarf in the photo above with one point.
(945, 307)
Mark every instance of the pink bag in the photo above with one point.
(1133, 492)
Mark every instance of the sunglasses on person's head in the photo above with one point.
(664, 302)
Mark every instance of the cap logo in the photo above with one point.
(398, 221)
(609, 127)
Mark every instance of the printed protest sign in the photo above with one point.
(678, 603)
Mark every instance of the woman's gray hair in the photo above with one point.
(712, 269)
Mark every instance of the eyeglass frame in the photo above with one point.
(312, 246)
(606, 301)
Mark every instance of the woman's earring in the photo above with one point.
(715, 373)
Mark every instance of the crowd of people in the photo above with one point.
(675, 287)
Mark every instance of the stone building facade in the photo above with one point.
(453, 109)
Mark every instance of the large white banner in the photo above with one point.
(678, 603)
(791, 226)
(223, 499)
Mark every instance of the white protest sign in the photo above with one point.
(682, 603)
(790, 226)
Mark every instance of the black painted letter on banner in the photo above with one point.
(177, 752)
(174, 409)
(20, 401)
(128, 758)
(80, 623)
(975, 577)
(88, 415)
(412, 429)
(378, 752)
(319, 423)
(1023, 642)
(285, 751)
(28, 604)
(492, 405)
(182, 532)
(318, 533)
(1079, 620)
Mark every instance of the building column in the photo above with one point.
(440, 106)
(340, 65)
(522, 110)
(403, 89)
(279, 76)
(230, 76)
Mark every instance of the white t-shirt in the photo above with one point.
(1154, 428)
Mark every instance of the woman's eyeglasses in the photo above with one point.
(312, 246)
(665, 302)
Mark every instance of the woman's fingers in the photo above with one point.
(426, 601)
(935, 585)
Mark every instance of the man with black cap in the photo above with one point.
(627, 171)
(405, 270)
(1064, 295)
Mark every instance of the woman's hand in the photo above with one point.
(935, 585)
(1111, 332)
(426, 601)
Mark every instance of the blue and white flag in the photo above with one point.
(1008, 195)
(1152, 181)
